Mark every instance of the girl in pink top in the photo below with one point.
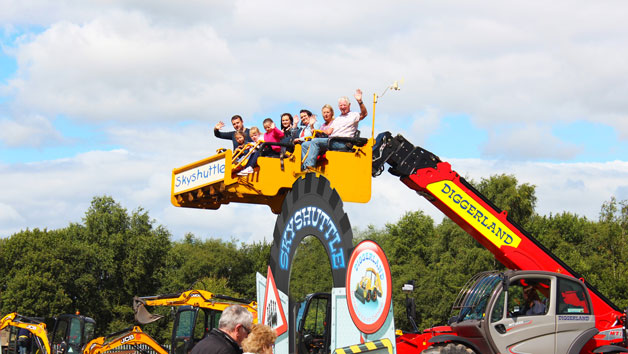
(272, 135)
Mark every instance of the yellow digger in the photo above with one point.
(198, 311)
(134, 338)
(369, 288)
(39, 335)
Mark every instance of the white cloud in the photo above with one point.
(8, 214)
(122, 67)
(31, 131)
(497, 62)
(528, 142)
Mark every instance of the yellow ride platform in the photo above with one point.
(212, 182)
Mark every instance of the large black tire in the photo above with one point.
(451, 348)
(313, 192)
(368, 296)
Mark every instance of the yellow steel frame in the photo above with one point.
(348, 172)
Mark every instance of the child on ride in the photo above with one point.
(242, 149)
(272, 135)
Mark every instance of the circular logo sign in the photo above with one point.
(369, 287)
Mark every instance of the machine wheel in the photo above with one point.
(328, 223)
(451, 348)
(368, 296)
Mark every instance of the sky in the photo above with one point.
(107, 97)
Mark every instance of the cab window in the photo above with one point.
(572, 298)
(59, 334)
(316, 316)
(498, 310)
(528, 297)
(75, 332)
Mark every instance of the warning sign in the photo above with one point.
(273, 314)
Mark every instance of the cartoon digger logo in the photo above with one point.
(369, 288)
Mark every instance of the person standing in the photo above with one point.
(233, 327)
(238, 126)
(260, 341)
(24, 340)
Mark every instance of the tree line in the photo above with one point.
(98, 265)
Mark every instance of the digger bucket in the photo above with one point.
(142, 316)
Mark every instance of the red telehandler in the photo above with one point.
(540, 306)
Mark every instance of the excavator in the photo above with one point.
(37, 329)
(68, 334)
(198, 311)
(493, 315)
(133, 337)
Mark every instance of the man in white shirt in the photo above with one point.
(345, 125)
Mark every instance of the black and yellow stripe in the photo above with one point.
(366, 347)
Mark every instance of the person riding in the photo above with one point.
(345, 125)
(238, 126)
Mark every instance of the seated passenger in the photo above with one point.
(238, 126)
(286, 125)
(255, 137)
(240, 151)
(308, 124)
(533, 305)
(345, 125)
(272, 135)
(328, 117)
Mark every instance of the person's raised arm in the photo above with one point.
(218, 133)
(358, 97)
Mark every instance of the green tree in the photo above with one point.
(505, 192)
(95, 268)
(311, 270)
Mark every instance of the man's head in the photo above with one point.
(236, 322)
(344, 105)
(305, 116)
(237, 123)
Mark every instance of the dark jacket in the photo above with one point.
(24, 337)
(231, 135)
(216, 342)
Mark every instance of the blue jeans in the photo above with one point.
(318, 146)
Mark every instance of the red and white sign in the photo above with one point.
(273, 314)
(369, 287)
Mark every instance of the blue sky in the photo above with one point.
(107, 98)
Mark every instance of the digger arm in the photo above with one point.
(132, 337)
(424, 172)
(197, 298)
(38, 329)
